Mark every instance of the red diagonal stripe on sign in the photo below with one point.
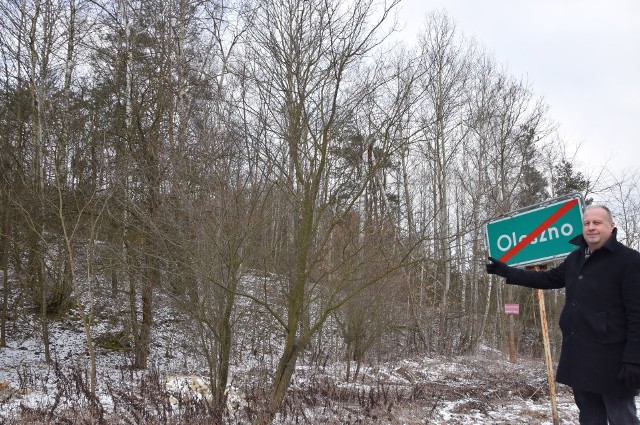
(538, 230)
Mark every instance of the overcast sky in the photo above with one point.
(581, 56)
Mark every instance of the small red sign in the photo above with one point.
(512, 308)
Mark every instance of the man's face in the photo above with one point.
(596, 227)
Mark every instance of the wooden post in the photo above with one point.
(547, 353)
(513, 352)
(513, 356)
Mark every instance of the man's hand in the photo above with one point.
(630, 373)
(497, 267)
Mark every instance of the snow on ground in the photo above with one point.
(481, 389)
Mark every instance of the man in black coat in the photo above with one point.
(600, 322)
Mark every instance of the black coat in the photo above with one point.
(600, 321)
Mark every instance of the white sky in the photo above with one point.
(581, 56)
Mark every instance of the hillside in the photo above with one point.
(480, 389)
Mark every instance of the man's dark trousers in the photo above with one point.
(596, 409)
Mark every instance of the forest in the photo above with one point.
(296, 156)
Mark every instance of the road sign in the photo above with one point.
(536, 234)
(512, 308)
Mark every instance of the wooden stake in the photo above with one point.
(547, 354)
(512, 340)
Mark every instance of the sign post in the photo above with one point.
(511, 310)
(547, 354)
(534, 236)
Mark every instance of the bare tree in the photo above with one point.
(625, 201)
(446, 61)
(35, 35)
(308, 54)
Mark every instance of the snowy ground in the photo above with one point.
(463, 390)
(480, 389)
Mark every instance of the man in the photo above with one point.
(600, 322)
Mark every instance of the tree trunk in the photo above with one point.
(4, 265)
